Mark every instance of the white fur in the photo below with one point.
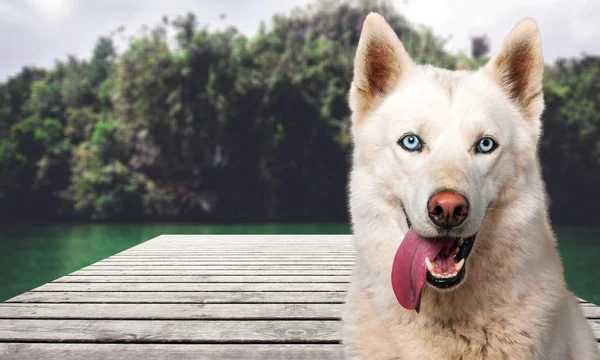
(514, 303)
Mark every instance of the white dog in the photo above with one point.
(446, 190)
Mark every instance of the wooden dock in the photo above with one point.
(194, 297)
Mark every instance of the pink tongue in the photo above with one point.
(409, 271)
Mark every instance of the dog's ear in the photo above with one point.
(518, 67)
(379, 64)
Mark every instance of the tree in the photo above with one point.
(221, 127)
(480, 46)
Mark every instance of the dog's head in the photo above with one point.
(444, 145)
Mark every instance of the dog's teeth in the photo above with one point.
(461, 241)
(459, 265)
(445, 275)
(430, 265)
(456, 251)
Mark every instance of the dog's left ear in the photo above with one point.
(379, 64)
(518, 67)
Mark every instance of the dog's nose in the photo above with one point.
(448, 209)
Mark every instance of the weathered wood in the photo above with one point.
(261, 245)
(210, 240)
(195, 266)
(21, 351)
(254, 249)
(248, 237)
(150, 271)
(250, 262)
(595, 325)
(195, 297)
(288, 277)
(252, 257)
(249, 246)
(173, 331)
(245, 254)
(237, 253)
(170, 311)
(591, 311)
(231, 251)
(191, 287)
(206, 297)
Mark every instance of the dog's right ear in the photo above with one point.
(379, 64)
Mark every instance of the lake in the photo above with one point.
(34, 255)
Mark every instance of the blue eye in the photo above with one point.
(486, 145)
(410, 143)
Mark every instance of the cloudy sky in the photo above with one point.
(35, 32)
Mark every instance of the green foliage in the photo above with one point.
(219, 126)
(102, 190)
(102, 131)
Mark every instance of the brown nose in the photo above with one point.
(448, 209)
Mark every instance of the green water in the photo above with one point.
(33, 255)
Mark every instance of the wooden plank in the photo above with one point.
(245, 256)
(195, 266)
(177, 259)
(595, 325)
(210, 239)
(239, 256)
(235, 264)
(257, 252)
(253, 247)
(236, 256)
(232, 265)
(249, 262)
(163, 287)
(591, 311)
(44, 330)
(206, 297)
(186, 272)
(213, 244)
(174, 278)
(20, 351)
(201, 252)
(248, 250)
(293, 252)
(268, 244)
(328, 253)
(170, 331)
(248, 237)
(170, 311)
(325, 252)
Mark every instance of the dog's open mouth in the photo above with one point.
(440, 261)
(447, 269)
